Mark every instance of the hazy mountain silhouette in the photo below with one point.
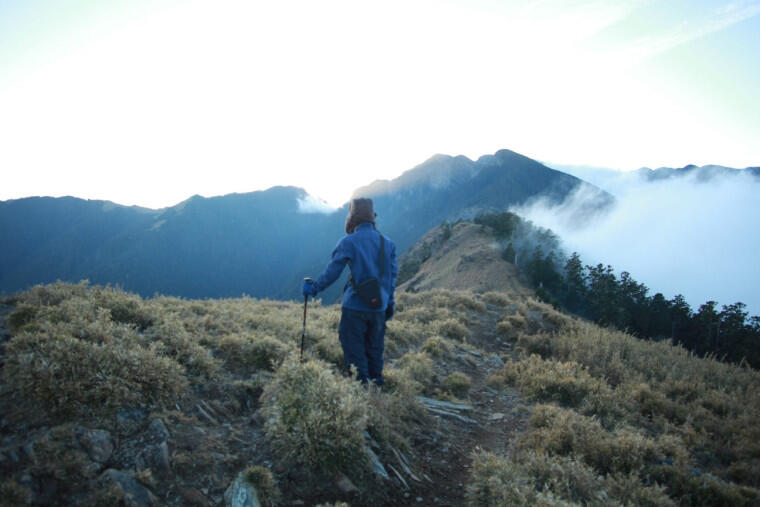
(258, 243)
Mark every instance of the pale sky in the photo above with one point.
(149, 102)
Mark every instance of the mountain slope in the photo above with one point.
(258, 243)
(449, 188)
(463, 256)
(251, 243)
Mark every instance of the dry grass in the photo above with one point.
(315, 418)
(620, 420)
(644, 415)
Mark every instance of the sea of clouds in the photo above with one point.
(678, 235)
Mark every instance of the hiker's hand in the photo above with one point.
(389, 312)
(309, 289)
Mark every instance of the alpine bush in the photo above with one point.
(316, 418)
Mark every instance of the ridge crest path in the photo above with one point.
(444, 454)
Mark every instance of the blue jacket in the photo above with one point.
(361, 251)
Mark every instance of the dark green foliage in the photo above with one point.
(21, 316)
(596, 293)
(502, 224)
(575, 284)
(542, 271)
(509, 253)
(445, 231)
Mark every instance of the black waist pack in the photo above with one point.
(369, 290)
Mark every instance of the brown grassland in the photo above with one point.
(610, 419)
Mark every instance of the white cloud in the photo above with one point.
(676, 236)
(311, 204)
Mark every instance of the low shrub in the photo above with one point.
(456, 300)
(125, 308)
(457, 384)
(404, 333)
(495, 482)
(65, 376)
(23, 314)
(506, 329)
(537, 478)
(418, 366)
(545, 380)
(330, 351)
(315, 418)
(437, 347)
(452, 328)
(496, 298)
(261, 478)
(247, 353)
(399, 380)
(171, 339)
(564, 432)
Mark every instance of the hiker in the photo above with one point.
(368, 297)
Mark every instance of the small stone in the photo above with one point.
(406, 495)
(98, 444)
(419, 499)
(134, 493)
(494, 361)
(496, 416)
(377, 466)
(158, 429)
(241, 494)
(155, 457)
(346, 486)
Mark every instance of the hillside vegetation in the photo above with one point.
(492, 399)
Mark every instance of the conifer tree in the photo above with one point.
(509, 253)
(575, 284)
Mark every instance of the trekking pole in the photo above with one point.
(303, 333)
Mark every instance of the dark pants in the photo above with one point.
(362, 336)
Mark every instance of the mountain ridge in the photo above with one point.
(260, 243)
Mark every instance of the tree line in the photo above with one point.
(598, 294)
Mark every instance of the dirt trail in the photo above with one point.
(442, 458)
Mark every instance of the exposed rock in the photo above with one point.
(192, 496)
(158, 429)
(377, 466)
(371, 441)
(134, 493)
(98, 444)
(241, 494)
(497, 416)
(346, 486)
(494, 361)
(130, 420)
(155, 457)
